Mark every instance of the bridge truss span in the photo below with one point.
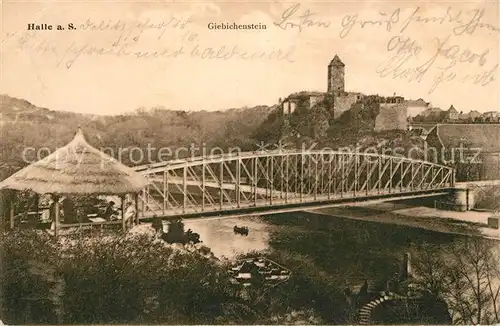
(275, 179)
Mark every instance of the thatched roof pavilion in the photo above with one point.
(77, 168)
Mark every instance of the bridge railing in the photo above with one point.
(253, 179)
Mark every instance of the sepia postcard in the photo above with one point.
(249, 162)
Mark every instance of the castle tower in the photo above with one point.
(336, 75)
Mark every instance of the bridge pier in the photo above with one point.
(464, 199)
(483, 193)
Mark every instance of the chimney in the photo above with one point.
(406, 266)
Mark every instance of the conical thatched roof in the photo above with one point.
(76, 168)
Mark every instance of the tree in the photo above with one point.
(466, 275)
(175, 233)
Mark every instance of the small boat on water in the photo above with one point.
(240, 230)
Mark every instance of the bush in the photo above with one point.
(309, 291)
(114, 279)
(176, 234)
(135, 279)
(29, 262)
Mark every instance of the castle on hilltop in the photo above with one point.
(342, 100)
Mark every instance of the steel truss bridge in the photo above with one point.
(266, 182)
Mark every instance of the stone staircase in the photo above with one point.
(365, 312)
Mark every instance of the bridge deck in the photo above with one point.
(484, 183)
(263, 205)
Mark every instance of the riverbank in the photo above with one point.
(218, 234)
(460, 223)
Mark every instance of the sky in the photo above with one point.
(124, 55)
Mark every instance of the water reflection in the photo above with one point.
(219, 236)
(350, 253)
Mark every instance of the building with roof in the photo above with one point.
(474, 115)
(431, 112)
(415, 107)
(76, 169)
(342, 100)
(474, 149)
(464, 117)
(259, 270)
(303, 99)
(491, 117)
(452, 114)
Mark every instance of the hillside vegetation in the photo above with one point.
(24, 125)
(315, 128)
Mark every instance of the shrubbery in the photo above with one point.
(114, 279)
(27, 278)
(311, 295)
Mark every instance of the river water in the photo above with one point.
(218, 235)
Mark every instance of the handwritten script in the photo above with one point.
(441, 61)
(298, 18)
(145, 40)
(462, 22)
(446, 62)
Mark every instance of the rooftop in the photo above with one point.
(484, 136)
(420, 102)
(336, 62)
(304, 94)
(76, 168)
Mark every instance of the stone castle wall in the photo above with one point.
(392, 117)
(343, 102)
(313, 100)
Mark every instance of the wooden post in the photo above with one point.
(11, 213)
(136, 199)
(165, 182)
(124, 224)
(37, 204)
(56, 214)
(143, 205)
